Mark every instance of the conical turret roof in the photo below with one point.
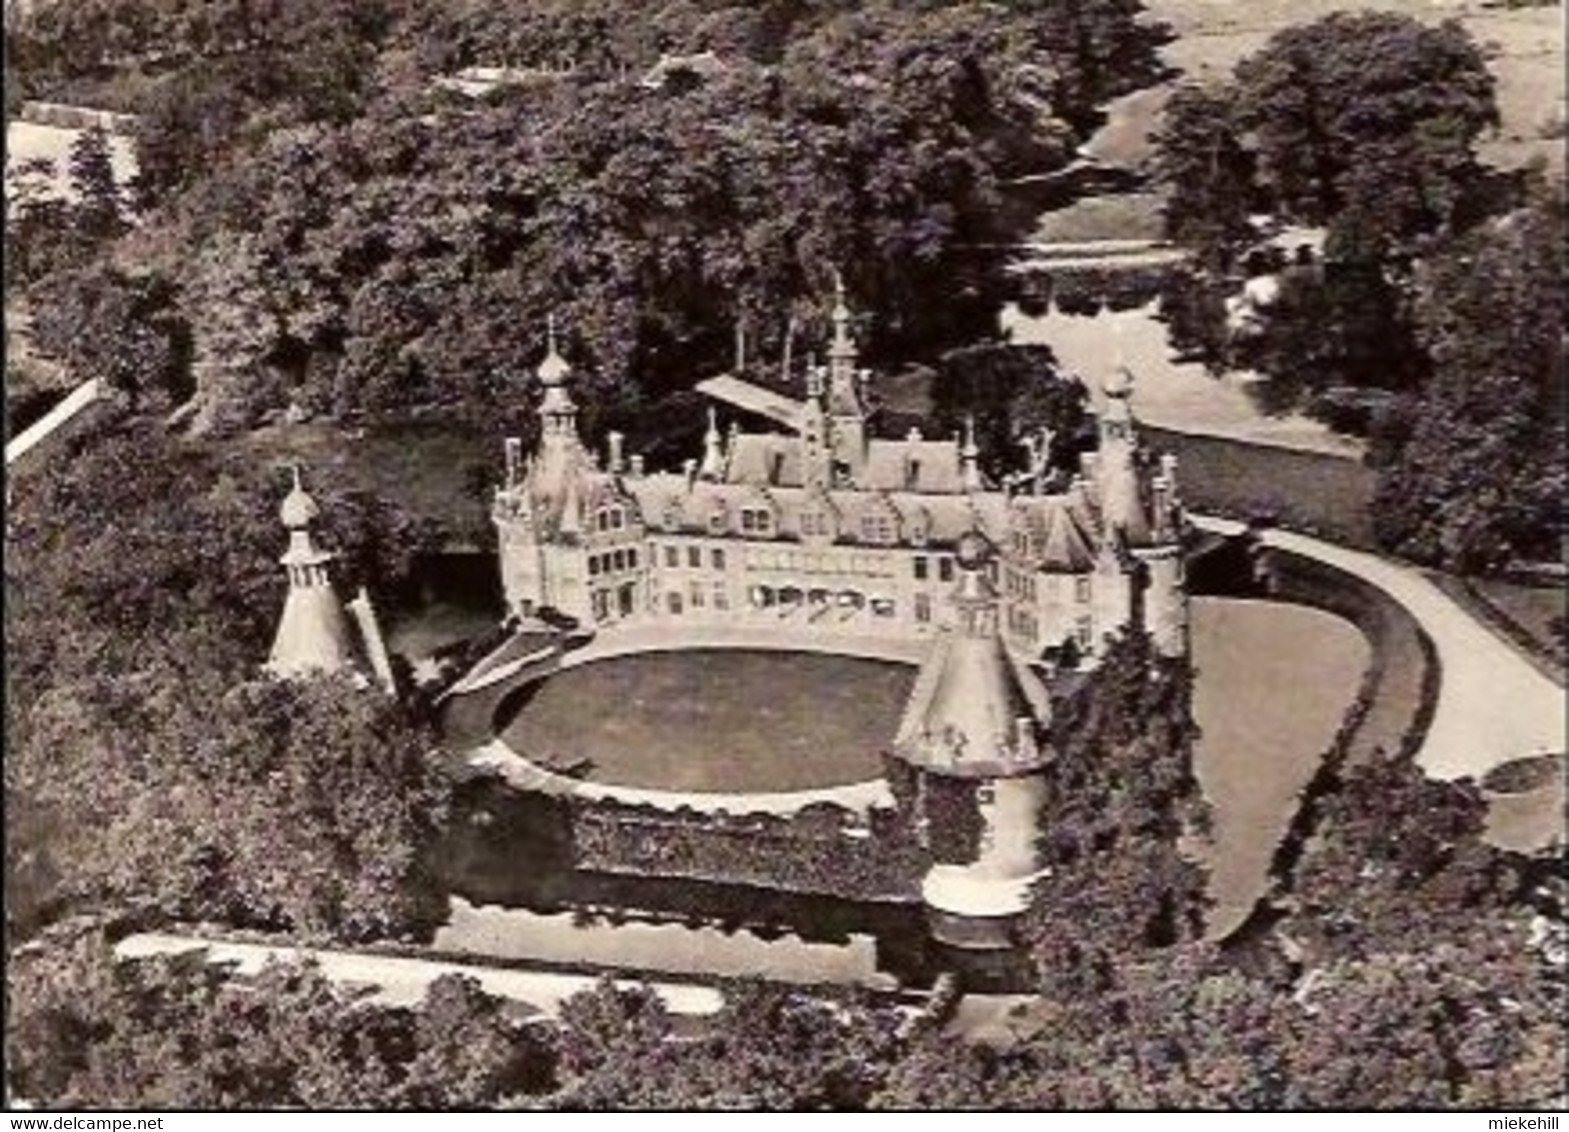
(975, 708)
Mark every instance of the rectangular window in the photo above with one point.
(619, 560)
(721, 596)
(696, 594)
(672, 557)
(749, 521)
(923, 608)
(945, 569)
(763, 520)
(632, 559)
(1083, 632)
(716, 558)
(920, 567)
(1081, 589)
(593, 565)
(615, 519)
(694, 556)
(673, 601)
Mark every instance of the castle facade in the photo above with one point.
(824, 528)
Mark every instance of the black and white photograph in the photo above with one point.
(784, 556)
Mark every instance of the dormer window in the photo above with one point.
(880, 524)
(757, 521)
(718, 519)
(877, 527)
(816, 523)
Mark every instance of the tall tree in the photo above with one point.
(1480, 480)
(1372, 112)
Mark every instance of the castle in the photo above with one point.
(827, 529)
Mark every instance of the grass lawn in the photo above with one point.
(718, 720)
(1306, 491)
(1274, 682)
(1525, 46)
(1115, 216)
(1532, 609)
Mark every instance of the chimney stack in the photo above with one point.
(617, 464)
(637, 466)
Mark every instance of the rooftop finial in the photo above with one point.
(1119, 383)
(299, 510)
(554, 369)
(969, 451)
(841, 314)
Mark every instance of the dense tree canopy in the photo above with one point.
(1120, 825)
(1371, 114)
(154, 766)
(1475, 476)
(383, 242)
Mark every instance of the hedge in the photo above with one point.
(822, 850)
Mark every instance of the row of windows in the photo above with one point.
(878, 527)
(864, 565)
(1022, 587)
(610, 519)
(697, 596)
(694, 557)
(612, 561)
(922, 567)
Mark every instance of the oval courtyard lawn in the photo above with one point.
(717, 720)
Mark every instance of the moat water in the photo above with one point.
(1273, 681)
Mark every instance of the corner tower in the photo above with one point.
(313, 633)
(846, 412)
(975, 735)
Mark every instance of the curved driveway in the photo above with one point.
(1493, 705)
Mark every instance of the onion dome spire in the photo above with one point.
(554, 370)
(556, 407)
(313, 633)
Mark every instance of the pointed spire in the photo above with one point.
(1118, 383)
(969, 457)
(974, 705)
(713, 467)
(299, 510)
(975, 595)
(554, 369)
(556, 407)
(312, 633)
(843, 347)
